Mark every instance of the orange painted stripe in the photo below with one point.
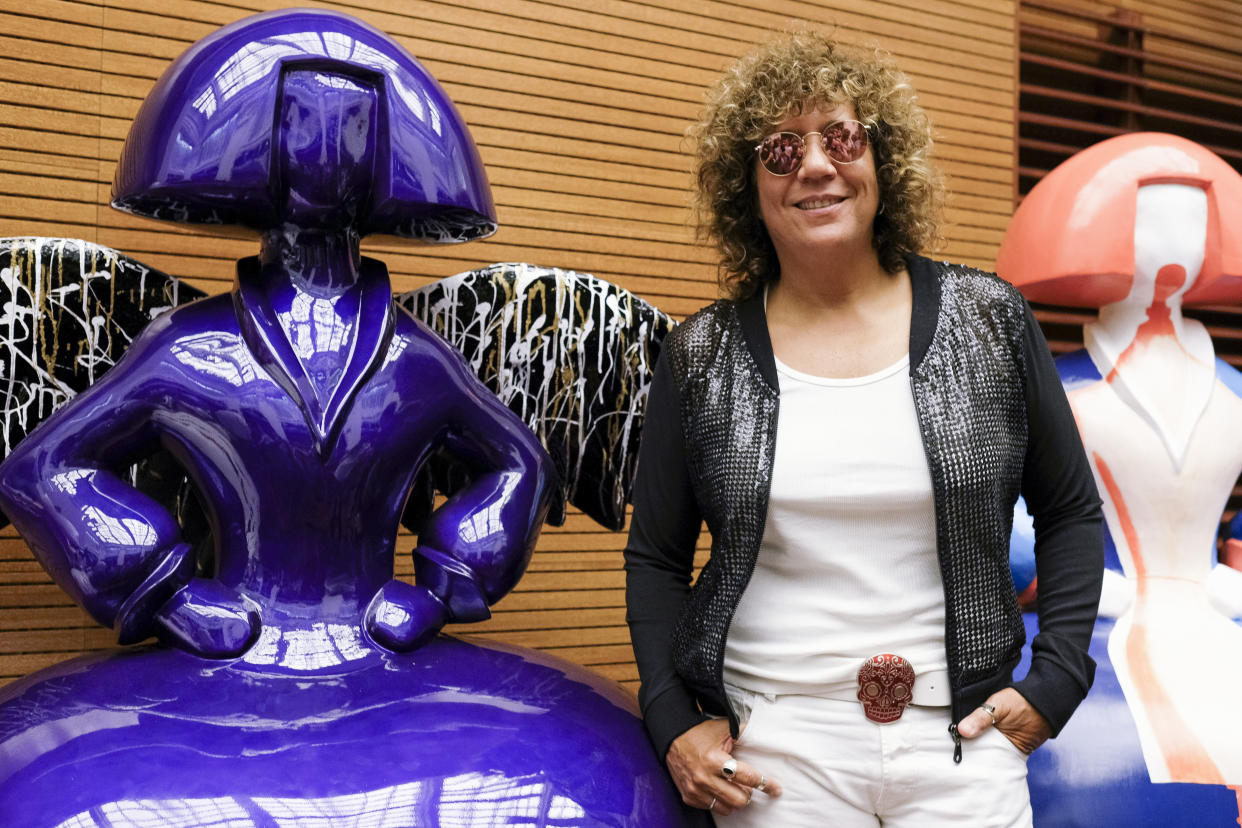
(1123, 514)
(1187, 760)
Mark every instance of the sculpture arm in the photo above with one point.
(1060, 493)
(116, 551)
(473, 549)
(659, 563)
(475, 546)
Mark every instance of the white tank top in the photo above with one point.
(847, 567)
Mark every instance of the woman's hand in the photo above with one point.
(695, 760)
(1015, 719)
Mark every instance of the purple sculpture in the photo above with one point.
(298, 681)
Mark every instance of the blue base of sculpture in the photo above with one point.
(331, 731)
(1093, 774)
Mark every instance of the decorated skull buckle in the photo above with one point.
(885, 687)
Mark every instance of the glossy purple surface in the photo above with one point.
(201, 147)
(319, 728)
(298, 683)
(301, 425)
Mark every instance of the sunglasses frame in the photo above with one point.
(866, 131)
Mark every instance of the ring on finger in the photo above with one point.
(763, 783)
(729, 769)
(990, 710)
(713, 805)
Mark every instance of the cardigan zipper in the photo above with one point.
(954, 716)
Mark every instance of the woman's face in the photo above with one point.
(823, 205)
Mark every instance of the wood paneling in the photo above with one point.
(579, 108)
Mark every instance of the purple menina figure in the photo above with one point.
(301, 405)
(325, 397)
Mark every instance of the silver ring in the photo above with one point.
(729, 769)
(990, 710)
(763, 783)
(713, 805)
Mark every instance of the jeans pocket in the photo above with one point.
(1010, 745)
(747, 705)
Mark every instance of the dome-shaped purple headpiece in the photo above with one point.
(202, 148)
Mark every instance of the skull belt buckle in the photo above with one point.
(885, 687)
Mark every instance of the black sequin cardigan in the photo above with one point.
(995, 423)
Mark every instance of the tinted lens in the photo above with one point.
(781, 153)
(844, 141)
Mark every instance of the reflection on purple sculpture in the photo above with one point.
(299, 683)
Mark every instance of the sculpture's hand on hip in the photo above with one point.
(208, 619)
(404, 617)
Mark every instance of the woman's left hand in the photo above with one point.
(1015, 719)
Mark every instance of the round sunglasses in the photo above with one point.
(844, 142)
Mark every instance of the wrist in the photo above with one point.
(453, 583)
(135, 620)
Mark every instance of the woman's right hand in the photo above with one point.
(695, 760)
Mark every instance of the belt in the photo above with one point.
(887, 683)
(931, 689)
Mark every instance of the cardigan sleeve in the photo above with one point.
(1060, 493)
(659, 563)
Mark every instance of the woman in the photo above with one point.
(854, 425)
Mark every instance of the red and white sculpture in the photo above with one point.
(1137, 227)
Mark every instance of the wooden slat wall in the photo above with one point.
(1209, 22)
(579, 108)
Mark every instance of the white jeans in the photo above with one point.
(838, 768)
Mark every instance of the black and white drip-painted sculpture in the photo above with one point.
(570, 354)
(68, 310)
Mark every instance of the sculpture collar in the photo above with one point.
(267, 341)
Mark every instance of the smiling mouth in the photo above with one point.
(817, 203)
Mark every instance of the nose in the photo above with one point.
(815, 160)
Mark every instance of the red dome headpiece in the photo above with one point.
(1071, 241)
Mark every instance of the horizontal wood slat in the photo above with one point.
(1090, 70)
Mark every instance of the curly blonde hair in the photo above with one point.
(806, 69)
